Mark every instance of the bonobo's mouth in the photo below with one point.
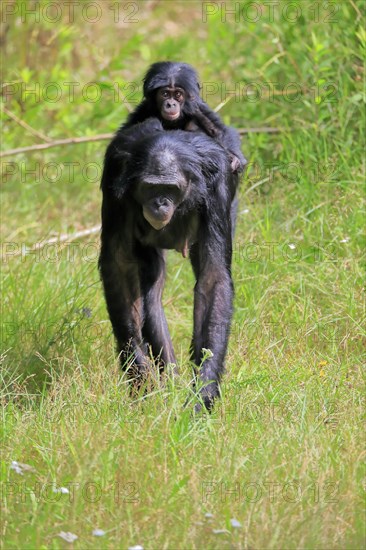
(154, 222)
(171, 116)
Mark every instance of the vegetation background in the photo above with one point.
(280, 462)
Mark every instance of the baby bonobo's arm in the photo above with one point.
(211, 124)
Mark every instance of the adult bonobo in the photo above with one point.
(167, 190)
(171, 94)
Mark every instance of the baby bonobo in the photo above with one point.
(171, 94)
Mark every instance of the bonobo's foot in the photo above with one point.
(147, 374)
(142, 382)
(138, 368)
(207, 396)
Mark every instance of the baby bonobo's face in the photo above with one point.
(170, 102)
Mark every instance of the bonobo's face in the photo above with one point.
(170, 102)
(158, 202)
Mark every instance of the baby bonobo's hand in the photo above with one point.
(234, 163)
(191, 126)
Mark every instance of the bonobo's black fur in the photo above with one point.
(192, 112)
(169, 190)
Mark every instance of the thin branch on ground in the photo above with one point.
(56, 143)
(103, 137)
(23, 124)
(59, 239)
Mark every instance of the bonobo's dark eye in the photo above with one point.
(165, 94)
(178, 96)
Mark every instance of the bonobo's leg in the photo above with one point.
(155, 329)
(120, 275)
(213, 297)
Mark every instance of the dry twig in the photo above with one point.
(23, 124)
(102, 137)
(59, 239)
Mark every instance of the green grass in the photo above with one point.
(283, 451)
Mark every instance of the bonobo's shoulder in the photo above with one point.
(197, 145)
(145, 128)
(129, 137)
(194, 139)
(205, 144)
(142, 113)
(196, 152)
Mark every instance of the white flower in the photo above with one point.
(66, 535)
(20, 467)
(15, 466)
(98, 533)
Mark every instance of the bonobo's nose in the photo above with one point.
(161, 202)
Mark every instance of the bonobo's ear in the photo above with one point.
(113, 178)
(120, 183)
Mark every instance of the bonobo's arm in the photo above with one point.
(133, 279)
(213, 294)
(155, 329)
(132, 275)
(119, 271)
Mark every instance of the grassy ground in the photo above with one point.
(283, 452)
